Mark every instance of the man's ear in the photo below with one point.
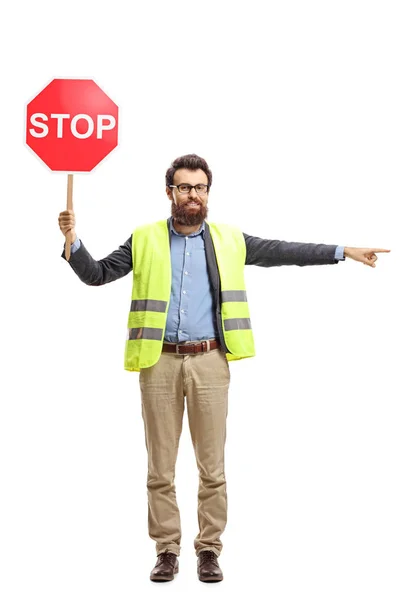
(169, 193)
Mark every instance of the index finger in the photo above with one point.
(379, 250)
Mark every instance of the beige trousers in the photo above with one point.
(204, 380)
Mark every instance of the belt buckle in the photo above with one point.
(177, 348)
(208, 345)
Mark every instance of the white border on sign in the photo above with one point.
(38, 157)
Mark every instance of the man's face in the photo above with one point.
(188, 208)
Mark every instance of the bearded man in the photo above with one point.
(188, 319)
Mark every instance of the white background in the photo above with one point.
(295, 106)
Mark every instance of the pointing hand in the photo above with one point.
(364, 255)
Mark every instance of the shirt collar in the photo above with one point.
(173, 230)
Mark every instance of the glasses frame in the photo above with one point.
(191, 186)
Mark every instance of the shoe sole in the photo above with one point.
(211, 578)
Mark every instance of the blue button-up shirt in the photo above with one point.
(191, 313)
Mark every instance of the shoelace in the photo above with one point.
(207, 555)
(168, 557)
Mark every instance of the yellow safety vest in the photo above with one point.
(151, 291)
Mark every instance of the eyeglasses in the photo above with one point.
(186, 188)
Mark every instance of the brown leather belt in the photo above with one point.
(193, 348)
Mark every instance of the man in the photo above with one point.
(188, 319)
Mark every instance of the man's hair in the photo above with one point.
(191, 162)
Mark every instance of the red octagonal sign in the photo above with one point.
(72, 125)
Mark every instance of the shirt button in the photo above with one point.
(188, 253)
(186, 273)
(182, 311)
(186, 238)
(184, 292)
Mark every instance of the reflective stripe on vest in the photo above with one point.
(151, 290)
(145, 333)
(231, 324)
(234, 296)
(154, 305)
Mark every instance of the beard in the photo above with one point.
(185, 215)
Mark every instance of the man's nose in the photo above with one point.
(193, 193)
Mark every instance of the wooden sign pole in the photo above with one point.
(69, 207)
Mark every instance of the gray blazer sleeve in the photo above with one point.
(98, 272)
(275, 253)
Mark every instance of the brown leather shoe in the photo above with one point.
(167, 566)
(207, 566)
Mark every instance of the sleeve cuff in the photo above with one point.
(76, 245)
(339, 253)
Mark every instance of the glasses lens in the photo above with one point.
(201, 188)
(184, 188)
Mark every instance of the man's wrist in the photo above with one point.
(75, 245)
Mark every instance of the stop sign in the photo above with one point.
(72, 125)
